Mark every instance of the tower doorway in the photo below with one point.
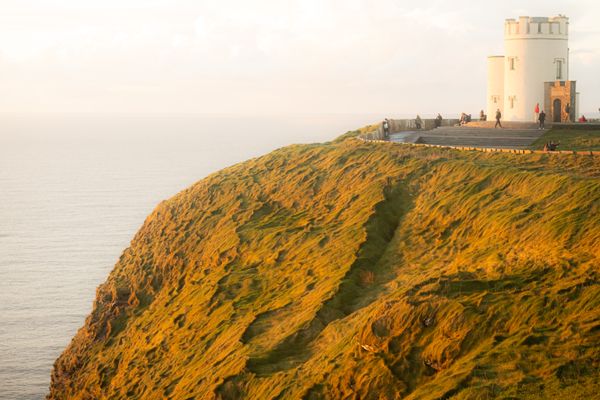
(556, 110)
(557, 95)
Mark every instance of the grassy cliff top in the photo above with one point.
(356, 270)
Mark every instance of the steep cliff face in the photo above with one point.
(358, 271)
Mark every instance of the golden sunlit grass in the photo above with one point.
(356, 270)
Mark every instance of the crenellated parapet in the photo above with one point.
(537, 28)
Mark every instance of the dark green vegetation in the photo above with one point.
(577, 140)
(358, 271)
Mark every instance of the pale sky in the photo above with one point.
(269, 56)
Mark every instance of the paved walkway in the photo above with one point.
(505, 138)
(516, 138)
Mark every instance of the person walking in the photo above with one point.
(568, 113)
(537, 111)
(498, 118)
(386, 128)
(542, 119)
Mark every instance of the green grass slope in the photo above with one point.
(353, 270)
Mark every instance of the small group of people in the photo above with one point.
(466, 118)
(551, 146)
(565, 116)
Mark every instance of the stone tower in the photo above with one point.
(536, 52)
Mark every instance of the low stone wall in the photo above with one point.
(586, 126)
(404, 125)
(488, 149)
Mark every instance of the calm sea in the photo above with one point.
(73, 191)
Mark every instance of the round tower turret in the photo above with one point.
(536, 51)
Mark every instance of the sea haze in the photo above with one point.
(73, 191)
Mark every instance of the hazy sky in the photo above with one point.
(268, 56)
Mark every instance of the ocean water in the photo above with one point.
(73, 191)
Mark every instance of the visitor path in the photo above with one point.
(484, 135)
(515, 137)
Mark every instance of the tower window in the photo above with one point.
(511, 63)
(511, 101)
(559, 69)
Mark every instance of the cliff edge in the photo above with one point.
(359, 271)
